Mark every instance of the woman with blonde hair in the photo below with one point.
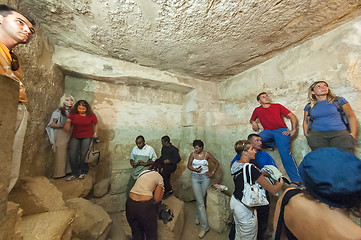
(245, 217)
(327, 119)
(59, 138)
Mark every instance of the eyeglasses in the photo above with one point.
(14, 61)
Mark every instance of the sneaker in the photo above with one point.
(197, 221)
(82, 176)
(72, 177)
(202, 234)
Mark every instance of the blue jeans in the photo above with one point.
(200, 183)
(275, 137)
(78, 148)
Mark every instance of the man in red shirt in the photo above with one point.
(275, 131)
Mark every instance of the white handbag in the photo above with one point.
(253, 194)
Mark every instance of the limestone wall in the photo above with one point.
(333, 57)
(124, 112)
(44, 84)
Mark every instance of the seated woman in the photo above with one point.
(198, 163)
(325, 118)
(332, 191)
(245, 217)
(141, 209)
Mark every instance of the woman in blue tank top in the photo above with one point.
(198, 163)
(326, 119)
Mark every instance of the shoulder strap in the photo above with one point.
(344, 119)
(145, 172)
(245, 175)
(286, 198)
(310, 119)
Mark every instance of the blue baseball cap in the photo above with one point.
(332, 176)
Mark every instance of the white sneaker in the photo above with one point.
(82, 176)
(197, 221)
(72, 177)
(202, 234)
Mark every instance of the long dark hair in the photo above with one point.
(84, 103)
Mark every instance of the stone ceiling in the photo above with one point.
(204, 39)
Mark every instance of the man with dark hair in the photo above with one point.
(275, 131)
(262, 159)
(15, 28)
(141, 157)
(170, 156)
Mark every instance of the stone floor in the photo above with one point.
(190, 229)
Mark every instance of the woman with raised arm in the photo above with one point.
(326, 119)
(245, 217)
(198, 163)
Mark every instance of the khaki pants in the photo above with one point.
(61, 164)
(20, 129)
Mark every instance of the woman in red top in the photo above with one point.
(85, 126)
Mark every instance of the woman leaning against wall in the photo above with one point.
(325, 119)
(59, 138)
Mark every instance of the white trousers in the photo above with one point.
(20, 129)
(245, 220)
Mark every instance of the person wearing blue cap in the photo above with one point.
(332, 181)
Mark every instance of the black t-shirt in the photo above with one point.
(171, 153)
(239, 183)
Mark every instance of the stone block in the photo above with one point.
(185, 190)
(218, 210)
(36, 195)
(111, 203)
(170, 231)
(76, 188)
(120, 178)
(101, 188)
(10, 224)
(55, 225)
(91, 221)
(173, 229)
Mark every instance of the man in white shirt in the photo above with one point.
(141, 157)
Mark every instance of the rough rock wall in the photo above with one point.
(333, 57)
(44, 84)
(124, 112)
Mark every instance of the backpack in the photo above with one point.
(339, 109)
